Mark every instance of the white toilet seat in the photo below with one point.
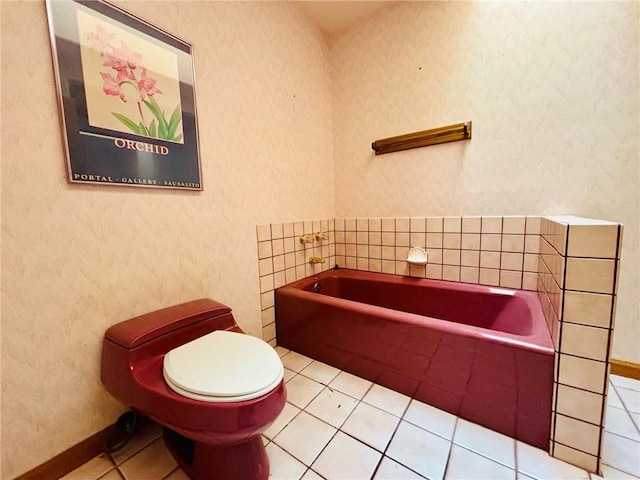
(223, 366)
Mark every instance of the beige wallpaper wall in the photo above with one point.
(552, 90)
(553, 93)
(76, 259)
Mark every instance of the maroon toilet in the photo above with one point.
(191, 369)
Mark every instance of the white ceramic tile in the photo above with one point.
(489, 276)
(531, 243)
(452, 224)
(486, 442)
(513, 243)
(513, 225)
(621, 453)
(624, 382)
(346, 458)
(320, 372)
(575, 457)
(371, 425)
(471, 224)
(431, 418)
(540, 465)
(619, 421)
(490, 259)
(288, 374)
(579, 404)
(283, 466)
(311, 475)
(332, 406)
(295, 361)
(305, 437)
(418, 224)
(590, 275)
(491, 224)
(577, 434)
(94, 468)
(636, 419)
(630, 399)
(470, 241)
(613, 399)
(465, 464)
(351, 385)
(511, 261)
(301, 390)
(510, 279)
(154, 462)
(451, 241)
(522, 476)
(387, 399)
(490, 241)
(402, 224)
(469, 274)
(375, 224)
(421, 451)
(392, 470)
(583, 341)
(599, 241)
(610, 473)
(533, 225)
(434, 224)
(288, 413)
(582, 373)
(588, 308)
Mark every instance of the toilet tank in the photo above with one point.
(136, 332)
(129, 346)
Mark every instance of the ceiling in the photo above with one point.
(333, 16)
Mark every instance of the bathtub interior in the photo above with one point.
(489, 308)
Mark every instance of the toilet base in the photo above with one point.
(202, 461)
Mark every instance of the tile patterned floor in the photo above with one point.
(338, 426)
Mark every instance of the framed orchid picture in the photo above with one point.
(127, 98)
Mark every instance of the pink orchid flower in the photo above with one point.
(124, 53)
(147, 86)
(112, 86)
(121, 66)
(100, 41)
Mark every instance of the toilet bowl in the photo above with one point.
(215, 390)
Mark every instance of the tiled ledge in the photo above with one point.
(579, 262)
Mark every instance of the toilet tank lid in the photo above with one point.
(138, 330)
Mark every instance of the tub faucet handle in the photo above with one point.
(322, 236)
(314, 260)
(306, 238)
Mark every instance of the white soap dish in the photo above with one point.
(417, 256)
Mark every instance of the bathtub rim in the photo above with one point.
(539, 341)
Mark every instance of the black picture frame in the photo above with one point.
(118, 78)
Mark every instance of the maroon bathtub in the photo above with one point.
(481, 353)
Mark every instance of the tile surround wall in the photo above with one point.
(283, 259)
(579, 266)
(572, 262)
(489, 250)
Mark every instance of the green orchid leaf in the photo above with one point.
(143, 129)
(177, 138)
(130, 124)
(152, 128)
(153, 106)
(162, 130)
(174, 121)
